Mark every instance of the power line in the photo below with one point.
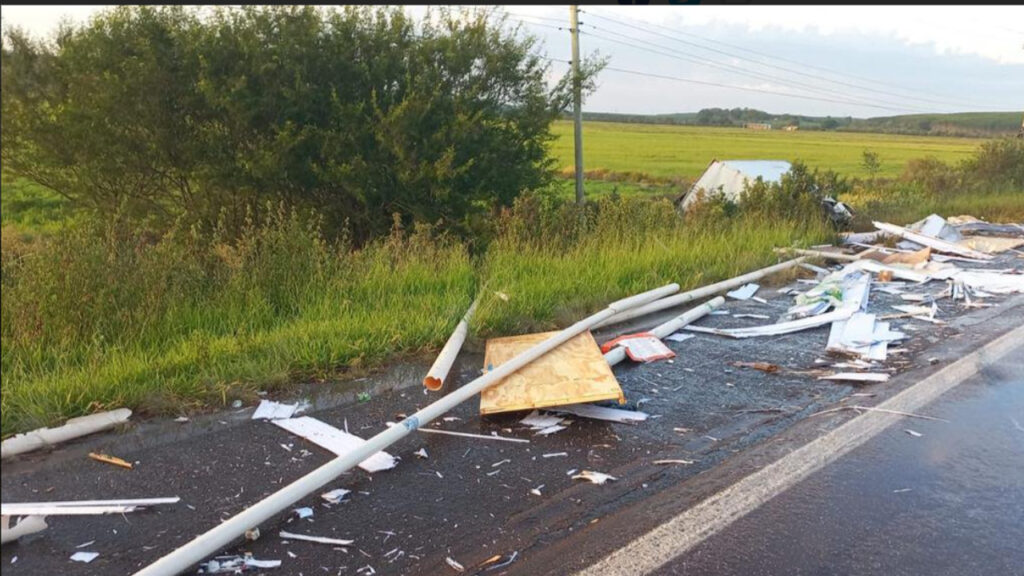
(760, 63)
(715, 84)
(761, 76)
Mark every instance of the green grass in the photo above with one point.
(1005, 206)
(97, 318)
(663, 151)
(30, 207)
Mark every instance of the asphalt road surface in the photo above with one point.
(472, 500)
(923, 497)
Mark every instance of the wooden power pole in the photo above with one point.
(577, 100)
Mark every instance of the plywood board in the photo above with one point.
(573, 373)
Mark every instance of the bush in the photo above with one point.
(359, 113)
(997, 164)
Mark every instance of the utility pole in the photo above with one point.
(577, 100)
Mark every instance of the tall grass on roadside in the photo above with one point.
(555, 265)
(105, 317)
(102, 316)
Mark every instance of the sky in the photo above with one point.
(859, 61)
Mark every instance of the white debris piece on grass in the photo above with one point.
(743, 292)
(454, 565)
(913, 433)
(857, 377)
(181, 419)
(84, 556)
(337, 441)
(680, 337)
(84, 544)
(335, 496)
(305, 512)
(718, 313)
(757, 316)
(603, 413)
(539, 421)
(677, 461)
(318, 539)
(270, 410)
(595, 477)
(555, 454)
(758, 299)
(27, 525)
(500, 462)
(422, 453)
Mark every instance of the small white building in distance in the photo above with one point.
(728, 177)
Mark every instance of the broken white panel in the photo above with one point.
(776, 329)
(270, 410)
(84, 556)
(992, 282)
(857, 377)
(326, 436)
(71, 429)
(595, 477)
(305, 512)
(679, 337)
(27, 525)
(602, 413)
(317, 539)
(536, 420)
(936, 227)
(743, 292)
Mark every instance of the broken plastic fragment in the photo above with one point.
(84, 556)
(455, 565)
(335, 496)
(743, 292)
(595, 477)
(305, 512)
(317, 539)
(422, 453)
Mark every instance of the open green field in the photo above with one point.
(673, 151)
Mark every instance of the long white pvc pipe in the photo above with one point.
(434, 380)
(225, 533)
(703, 292)
(618, 354)
(822, 254)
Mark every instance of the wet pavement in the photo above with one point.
(950, 501)
(470, 499)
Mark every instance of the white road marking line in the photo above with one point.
(675, 537)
